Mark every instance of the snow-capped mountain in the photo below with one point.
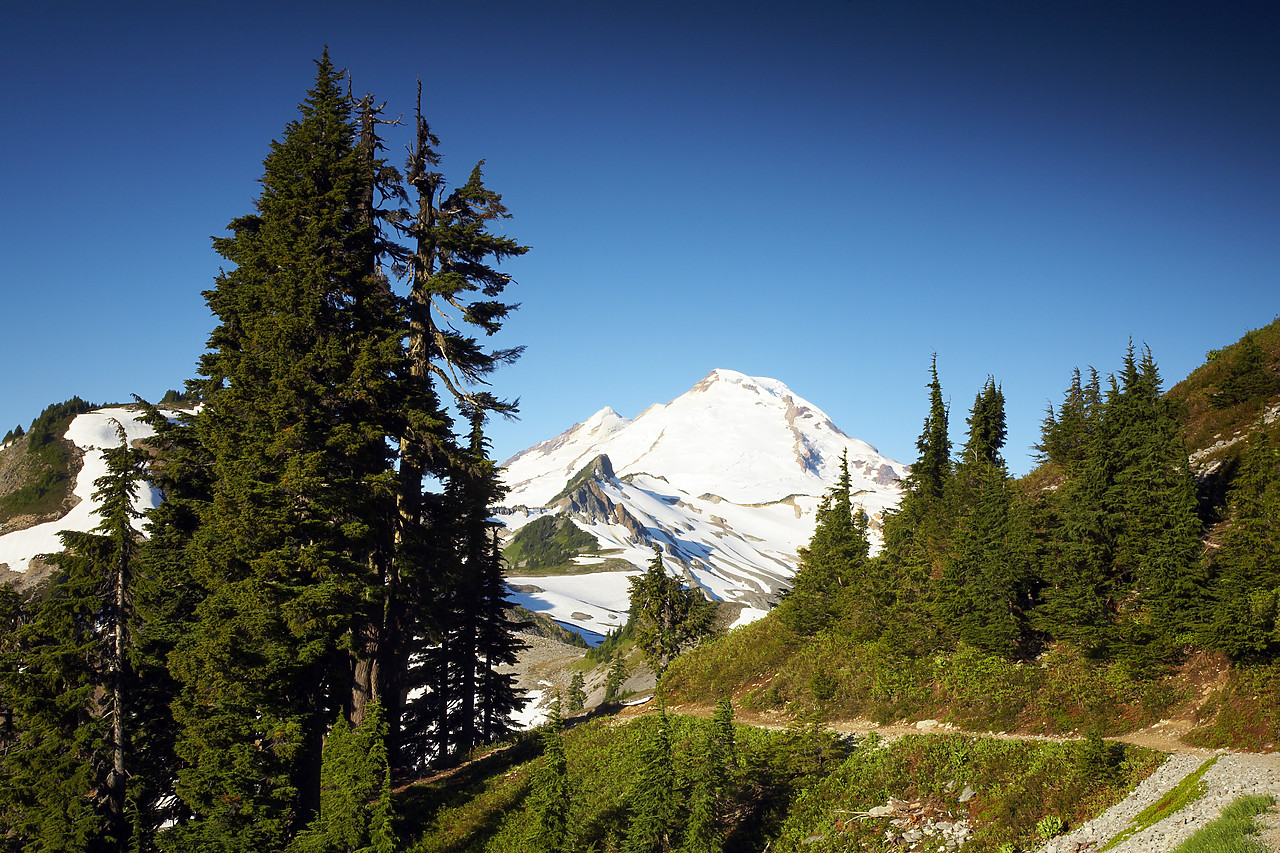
(725, 479)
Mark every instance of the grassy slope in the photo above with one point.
(793, 790)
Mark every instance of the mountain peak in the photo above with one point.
(746, 439)
(725, 480)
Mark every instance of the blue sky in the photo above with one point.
(821, 192)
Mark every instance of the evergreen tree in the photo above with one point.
(669, 618)
(1065, 437)
(916, 539)
(295, 389)
(985, 577)
(713, 787)
(987, 430)
(830, 578)
(1247, 378)
(450, 270)
(552, 798)
(1244, 621)
(577, 692)
(1126, 576)
(69, 683)
(355, 791)
(617, 675)
(932, 467)
(470, 701)
(652, 825)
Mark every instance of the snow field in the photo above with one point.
(91, 432)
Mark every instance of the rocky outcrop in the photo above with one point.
(590, 503)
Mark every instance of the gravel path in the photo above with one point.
(1233, 776)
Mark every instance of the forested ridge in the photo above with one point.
(1065, 600)
(319, 602)
(317, 607)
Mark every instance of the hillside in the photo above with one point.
(49, 474)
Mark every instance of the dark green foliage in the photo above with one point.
(1247, 378)
(1246, 589)
(1065, 437)
(831, 577)
(551, 792)
(51, 423)
(932, 467)
(355, 791)
(1126, 578)
(292, 432)
(69, 682)
(668, 617)
(547, 542)
(987, 430)
(652, 824)
(178, 398)
(301, 559)
(16, 432)
(715, 779)
(617, 675)
(577, 697)
(52, 483)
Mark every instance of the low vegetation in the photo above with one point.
(548, 545)
(1232, 832)
(49, 480)
(796, 790)
(1190, 789)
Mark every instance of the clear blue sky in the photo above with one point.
(820, 192)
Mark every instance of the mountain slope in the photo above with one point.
(724, 480)
(91, 432)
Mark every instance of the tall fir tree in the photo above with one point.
(713, 786)
(917, 535)
(669, 619)
(551, 791)
(355, 791)
(981, 589)
(295, 387)
(831, 577)
(653, 824)
(452, 272)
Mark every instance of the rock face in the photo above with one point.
(724, 480)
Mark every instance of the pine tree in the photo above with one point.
(355, 791)
(652, 823)
(551, 792)
(669, 618)
(1245, 616)
(1247, 379)
(69, 683)
(617, 675)
(830, 578)
(295, 388)
(984, 578)
(450, 271)
(577, 692)
(713, 787)
(932, 467)
(916, 538)
(1125, 575)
